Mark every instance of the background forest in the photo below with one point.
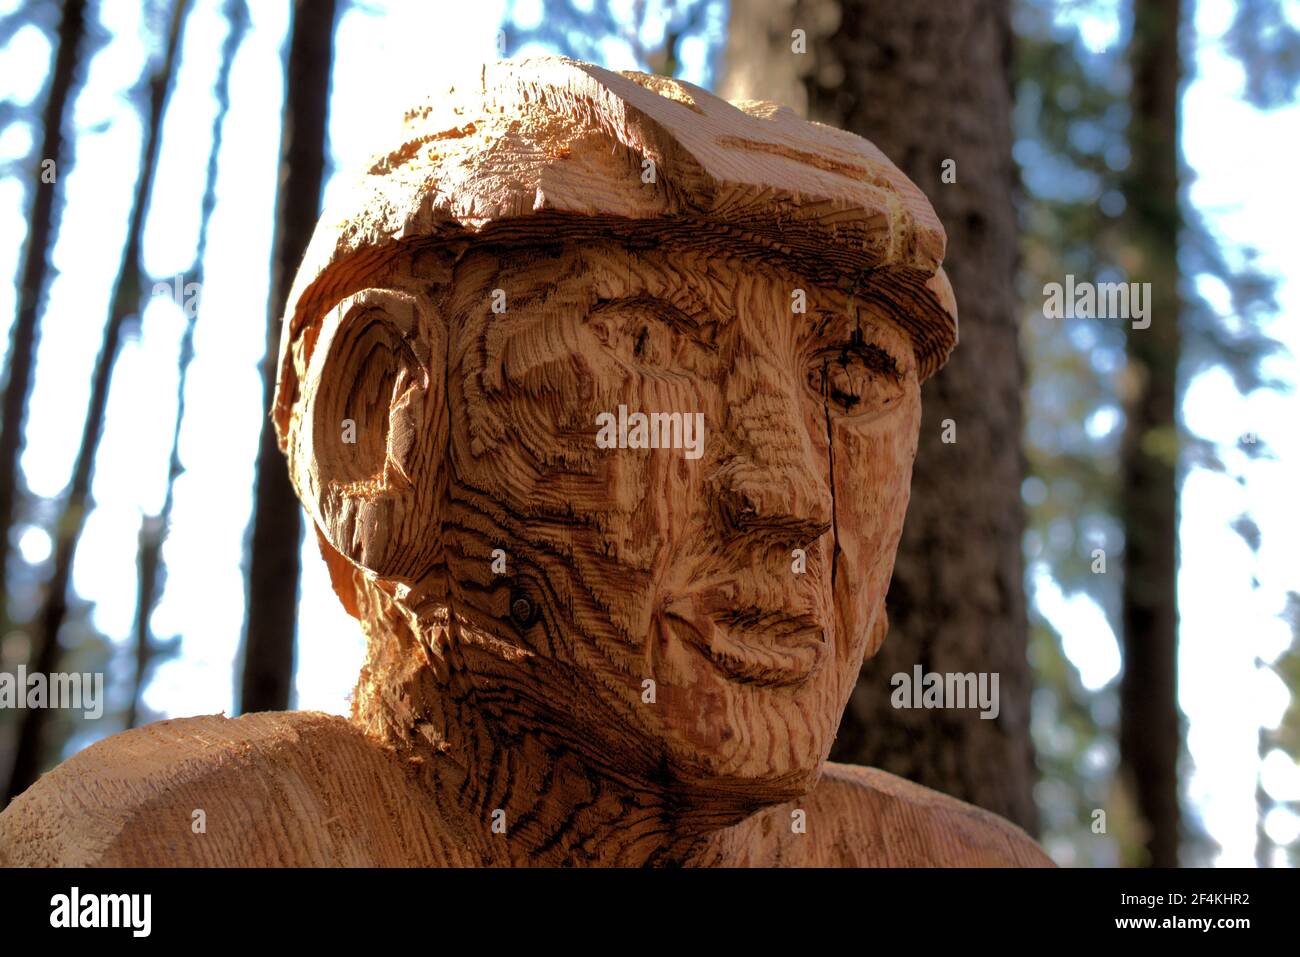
(1113, 532)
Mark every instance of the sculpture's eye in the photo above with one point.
(855, 379)
(649, 335)
(651, 341)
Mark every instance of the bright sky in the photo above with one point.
(1226, 624)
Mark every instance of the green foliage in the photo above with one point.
(1072, 125)
(1070, 119)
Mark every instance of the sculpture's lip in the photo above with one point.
(749, 643)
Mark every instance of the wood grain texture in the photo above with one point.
(578, 652)
(301, 789)
(553, 144)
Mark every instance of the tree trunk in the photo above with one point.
(31, 291)
(148, 563)
(154, 529)
(1150, 722)
(928, 83)
(273, 571)
(125, 302)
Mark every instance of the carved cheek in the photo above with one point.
(873, 473)
(640, 493)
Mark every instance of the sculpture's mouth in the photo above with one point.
(748, 642)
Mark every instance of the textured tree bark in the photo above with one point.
(1150, 720)
(31, 290)
(930, 82)
(276, 541)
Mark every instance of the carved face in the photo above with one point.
(707, 578)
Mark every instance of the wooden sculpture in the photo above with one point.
(603, 395)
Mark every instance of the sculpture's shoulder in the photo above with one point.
(863, 817)
(277, 788)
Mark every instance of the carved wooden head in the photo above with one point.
(613, 388)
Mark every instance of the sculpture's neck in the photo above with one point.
(527, 803)
(509, 788)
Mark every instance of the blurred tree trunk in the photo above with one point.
(125, 302)
(273, 571)
(1150, 722)
(927, 82)
(35, 270)
(154, 529)
(148, 565)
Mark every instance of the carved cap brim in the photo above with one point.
(560, 145)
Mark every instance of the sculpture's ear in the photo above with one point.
(371, 431)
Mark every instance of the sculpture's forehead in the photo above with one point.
(708, 293)
(560, 148)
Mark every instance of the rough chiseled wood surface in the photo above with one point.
(301, 789)
(580, 654)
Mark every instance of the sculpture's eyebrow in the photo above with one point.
(694, 320)
(861, 335)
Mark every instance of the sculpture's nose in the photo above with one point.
(773, 481)
(764, 501)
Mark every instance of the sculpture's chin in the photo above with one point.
(760, 743)
(716, 716)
